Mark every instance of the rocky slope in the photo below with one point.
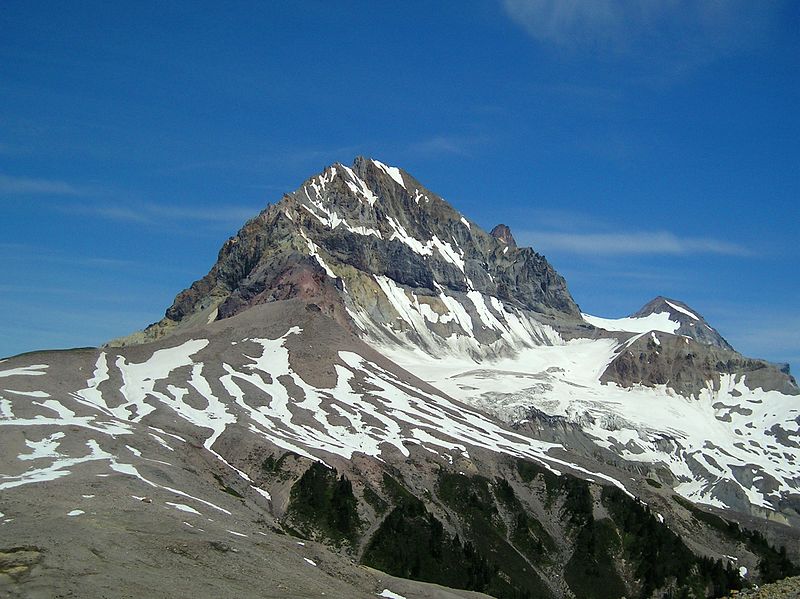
(789, 588)
(210, 449)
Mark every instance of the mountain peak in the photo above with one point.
(362, 165)
(367, 238)
(503, 233)
(665, 304)
(691, 322)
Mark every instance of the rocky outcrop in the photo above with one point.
(688, 367)
(503, 233)
(784, 589)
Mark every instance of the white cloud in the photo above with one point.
(153, 213)
(24, 186)
(441, 144)
(568, 21)
(676, 35)
(628, 243)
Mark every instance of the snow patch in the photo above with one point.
(392, 171)
(313, 249)
(658, 321)
(262, 492)
(33, 370)
(183, 507)
(37, 394)
(682, 310)
(359, 187)
(139, 380)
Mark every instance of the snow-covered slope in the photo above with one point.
(185, 460)
(224, 382)
(731, 442)
(730, 446)
(657, 321)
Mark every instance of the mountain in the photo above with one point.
(358, 236)
(667, 316)
(366, 379)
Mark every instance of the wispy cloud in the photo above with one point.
(640, 278)
(628, 243)
(766, 331)
(117, 205)
(37, 254)
(461, 145)
(770, 338)
(620, 23)
(568, 22)
(677, 35)
(156, 213)
(280, 158)
(24, 186)
(440, 144)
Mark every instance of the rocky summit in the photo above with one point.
(691, 324)
(369, 395)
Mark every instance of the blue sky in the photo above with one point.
(644, 148)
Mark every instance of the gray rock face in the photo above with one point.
(692, 323)
(689, 367)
